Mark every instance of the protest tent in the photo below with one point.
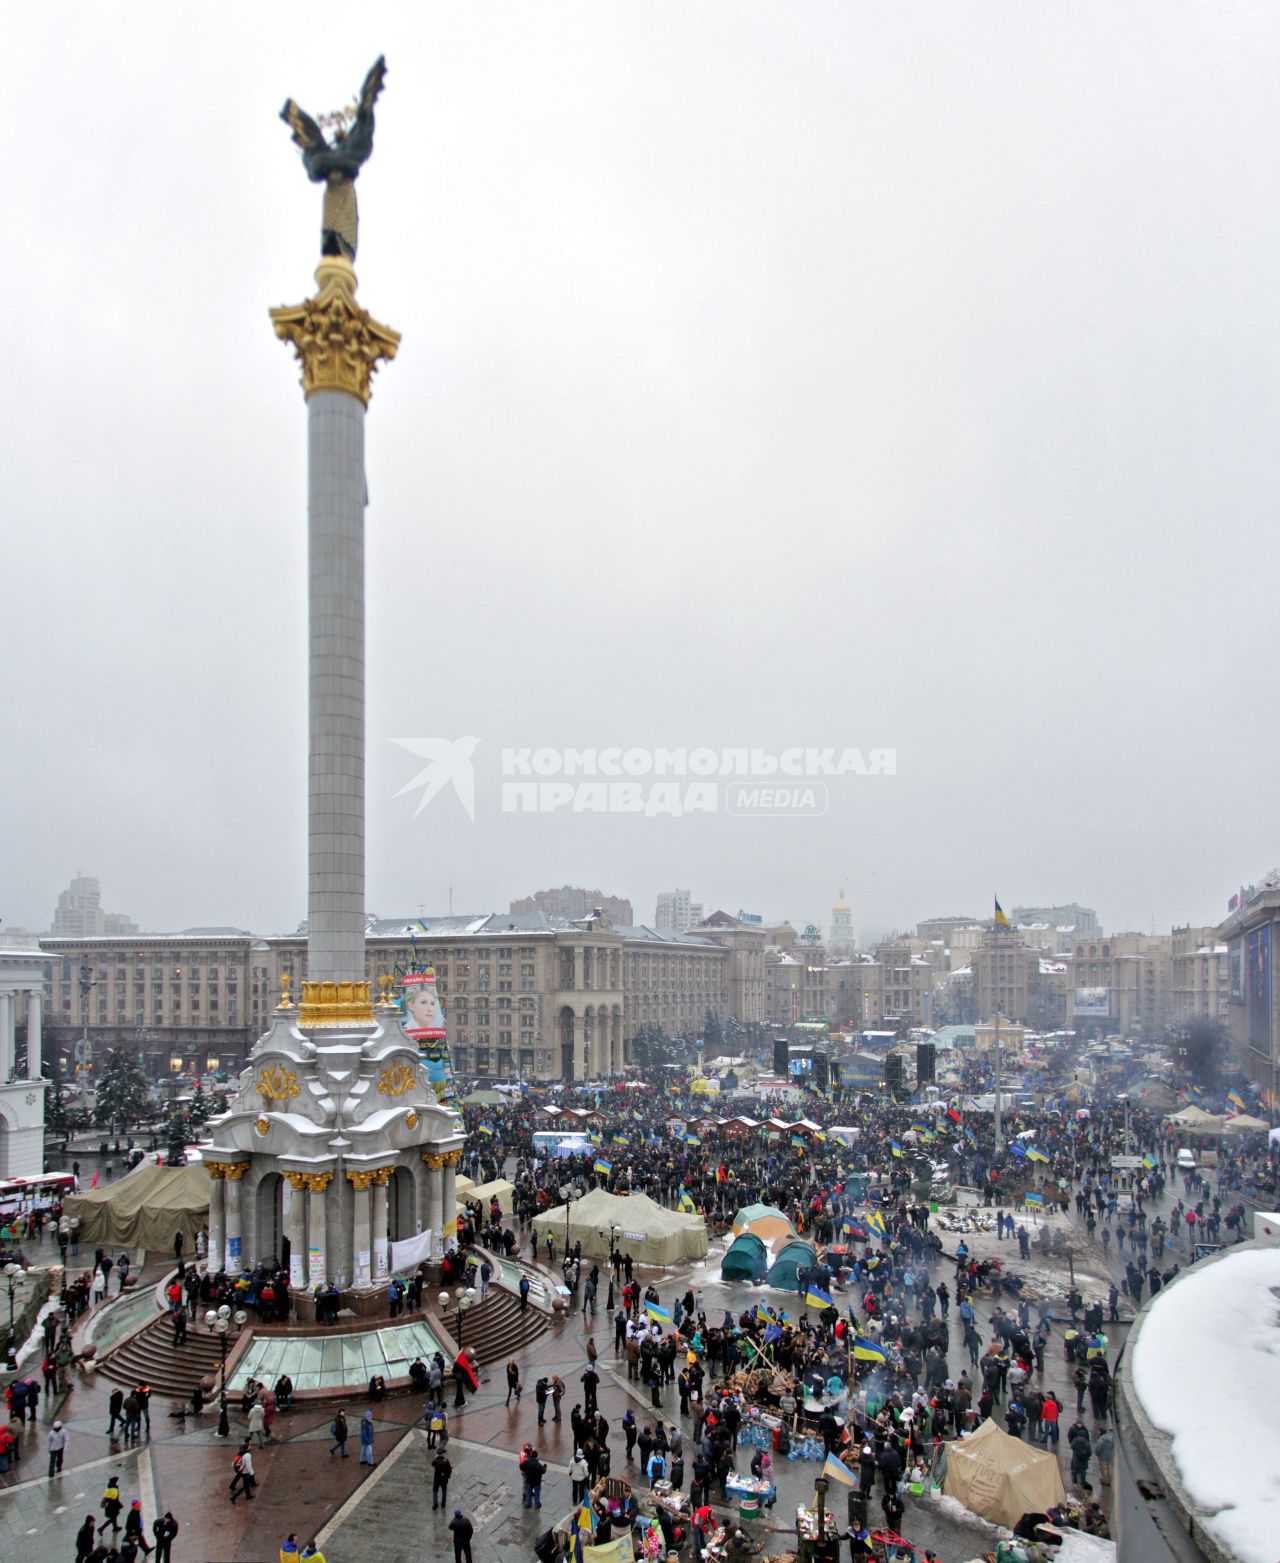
(145, 1209)
(1194, 1120)
(1245, 1123)
(484, 1192)
(789, 1258)
(765, 1221)
(1001, 1478)
(651, 1234)
(747, 1259)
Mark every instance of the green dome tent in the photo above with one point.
(790, 1258)
(747, 1259)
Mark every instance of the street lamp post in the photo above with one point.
(568, 1193)
(220, 1321)
(465, 1298)
(12, 1274)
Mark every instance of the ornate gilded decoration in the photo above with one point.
(366, 1178)
(338, 344)
(385, 984)
(314, 1182)
(235, 1170)
(277, 1084)
(433, 1159)
(335, 1004)
(451, 1158)
(296, 1180)
(262, 1126)
(285, 981)
(396, 1079)
(411, 1119)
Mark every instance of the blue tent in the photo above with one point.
(793, 1256)
(746, 1260)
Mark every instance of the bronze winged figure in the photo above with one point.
(337, 163)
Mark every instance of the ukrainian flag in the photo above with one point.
(970, 1136)
(621, 1139)
(603, 1167)
(1000, 919)
(895, 1147)
(817, 1298)
(1036, 1154)
(485, 1128)
(585, 1521)
(1236, 1100)
(686, 1201)
(798, 1141)
(659, 1314)
(875, 1221)
(838, 1471)
(1149, 1162)
(765, 1315)
(692, 1139)
(1033, 1199)
(867, 1351)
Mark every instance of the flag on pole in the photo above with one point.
(765, 1315)
(604, 1168)
(1033, 1199)
(485, 1128)
(838, 1471)
(867, 1350)
(1034, 1153)
(659, 1314)
(622, 1139)
(1236, 1100)
(1149, 1162)
(817, 1298)
(895, 1148)
(875, 1222)
(1001, 920)
(686, 1201)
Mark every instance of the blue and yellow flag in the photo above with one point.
(765, 1315)
(867, 1351)
(656, 1312)
(895, 1147)
(970, 1136)
(621, 1139)
(1034, 1153)
(1236, 1100)
(1033, 1199)
(875, 1222)
(686, 1201)
(585, 1521)
(1149, 1162)
(817, 1298)
(1001, 920)
(485, 1128)
(838, 1471)
(798, 1141)
(604, 1168)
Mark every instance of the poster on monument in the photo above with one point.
(411, 1252)
(315, 1267)
(424, 1022)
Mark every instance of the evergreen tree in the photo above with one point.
(122, 1096)
(201, 1109)
(712, 1032)
(176, 1141)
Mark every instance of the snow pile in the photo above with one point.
(1077, 1547)
(1207, 1370)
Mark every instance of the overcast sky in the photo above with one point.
(790, 374)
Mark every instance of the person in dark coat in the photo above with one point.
(463, 1530)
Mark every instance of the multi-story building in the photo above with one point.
(1199, 988)
(1120, 982)
(1081, 920)
(1006, 977)
(1251, 933)
(907, 977)
(677, 911)
(79, 913)
(571, 901)
(934, 928)
(524, 995)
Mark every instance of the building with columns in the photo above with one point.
(23, 981)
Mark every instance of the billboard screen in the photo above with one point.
(1258, 987)
(1093, 1003)
(1236, 959)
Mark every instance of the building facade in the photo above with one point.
(1120, 982)
(676, 912)
(1199, 986)
(841, 941)
(79, 913)
(524, 995)
(1081, 920)
(571, 901)
(23, 986)
(1250, 934)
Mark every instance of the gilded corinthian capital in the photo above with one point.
(338, 344)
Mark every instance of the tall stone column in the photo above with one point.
(339, 345)
(297, 1230)
(6, 1035)
(435, 1199)
(362, 1229)
(317, 1228)
(449, 1196)
(217, 1217)
(33, 1035)
(235, 1171)
(381, 1248)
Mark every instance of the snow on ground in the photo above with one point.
(1207, 1369)
(1045, 1276)
(1077, 1547)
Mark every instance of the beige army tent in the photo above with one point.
(650, 1233)
(1245, 1123)
(145, 1209)
(484, 1192)
(1001, 1478)
(1194, 1120)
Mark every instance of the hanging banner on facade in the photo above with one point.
(411, 1252)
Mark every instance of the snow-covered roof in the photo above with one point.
(1220, 1324)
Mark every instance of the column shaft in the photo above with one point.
(33, 1036)
(361, 1255)
(217, 1223)
(235, 1233)
(6, 1035)
(449, 1198)
(298, 1239)
(435, 1208)
(381, 1253)
(317, 1269)
(335, 512)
